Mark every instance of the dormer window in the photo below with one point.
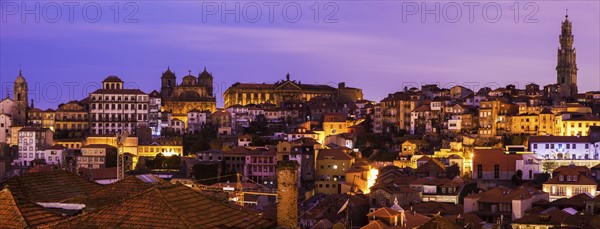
(575, 178)
(568, 177)
(561, 178)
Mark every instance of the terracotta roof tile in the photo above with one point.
(169, 206)
(17, 212)
(337, 154)
(384, 212)
(115, 192)
(52, 186)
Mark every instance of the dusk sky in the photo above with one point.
(380, 46)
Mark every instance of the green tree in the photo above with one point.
(548, 166)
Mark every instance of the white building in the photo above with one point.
(154, 113)
(53, 155)
(455, 123)
(114, 109)
(196, 120)
(32, 141)
(562, 147)
(530, 165)
(564, 150)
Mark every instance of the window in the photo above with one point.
(496, 171)
(479, 171)
(535, 146)
(574, 146)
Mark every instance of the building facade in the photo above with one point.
(32, 142)
(286, 90)
(115, 109)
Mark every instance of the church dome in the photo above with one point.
(113, 79)
(189, 80)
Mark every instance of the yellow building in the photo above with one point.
(493, 117)
(42, 118)
(532, 123)
(574, 124)
(129, 146)
(396, 111)
(286, 90)
(361, 177)
(331, 168)
(70, 143)
(14, 133)
(569, 181)
(334, 124)
(167, 147)
(71, 117)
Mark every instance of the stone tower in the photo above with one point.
(167, 82)
(287, 194)
(205, 79)
(20, 93)
(566, 69)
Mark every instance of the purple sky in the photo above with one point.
(375, 45)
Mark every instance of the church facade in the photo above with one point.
(192, 93)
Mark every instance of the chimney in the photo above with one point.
(287, 194)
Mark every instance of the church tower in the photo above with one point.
(566, 70)
(20, 100)
(168, 82)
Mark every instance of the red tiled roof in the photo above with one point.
(489, 157)
(582, 180)
(337, 154)
(113, 193)
(119, 91)
(169, 206)
(560, 139)
(17, 212)
(438, 222)
(503, 194)
(375, 224)
(384, 212)
(54, 186)
(432, 163)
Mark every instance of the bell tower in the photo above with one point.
(20, 93)
(566, 69)
(168, 82)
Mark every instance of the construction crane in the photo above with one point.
(239, 189)
(120, 138)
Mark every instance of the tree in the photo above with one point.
(204, 172)
(548, 166)
(517, 178)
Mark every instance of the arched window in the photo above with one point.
(18, 96)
